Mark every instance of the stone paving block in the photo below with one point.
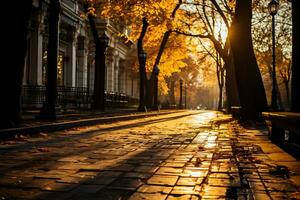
(189, 181)
(194, 172)
(108, 194)
(296, 180)
(175, 164)
(280, 186)
(74, 180)
(73, 159)
(257, 186)
(85, 174)
(126, 184)
(182, 190)
(59, 187)
(109, 173)
(102, 180)
(35, 183)
(281, 157)
(18, 193)
(216, 192)
(162, 180)
(145, 169)
(137, 175)
(154, 189)
(224, 182)
(282, 195)
(168, 171)
(148, 196)
(179, 197)
(261, 196)
(87, 188)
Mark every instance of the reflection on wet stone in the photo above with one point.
(182, 159)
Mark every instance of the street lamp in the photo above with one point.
(156, 72)
(273, 9)
(180, 97)
(185, 96)
(142, 60)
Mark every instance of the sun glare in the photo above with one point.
(221, 30)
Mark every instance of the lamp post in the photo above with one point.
(180, 97)
(99, 89)
(142, 60)
(273, 9)
(185, 96)
(155, 105)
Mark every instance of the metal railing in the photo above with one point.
(77, 97)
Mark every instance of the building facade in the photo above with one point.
(75, 69)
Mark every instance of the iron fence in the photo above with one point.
(78, 97)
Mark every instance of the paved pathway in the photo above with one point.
(176, 156)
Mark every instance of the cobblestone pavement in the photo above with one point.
(177, 156)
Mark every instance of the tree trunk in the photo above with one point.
(295, 107)
(142, 64)
(150, 82)
(172, 92)
(231, 83)
(48, 110)
(230, 77)
(149, 92)
(99, 80)
(15, 37)
(220, 97)
(249, 81)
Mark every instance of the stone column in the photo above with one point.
(110, 70)
(116, 76)
(70, 74)
(122, 76)
(128, 77)
(35, 65)
(81, 72)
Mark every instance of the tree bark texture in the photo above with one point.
(249, 81)
(295, 107)
(12, 75)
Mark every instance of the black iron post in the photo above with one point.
(180, 97)
(155, 103)
(99, 90)
(273, 9)
(185, 97)
(142, 60)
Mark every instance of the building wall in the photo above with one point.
(76, 52)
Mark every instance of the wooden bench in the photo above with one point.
(284, 127)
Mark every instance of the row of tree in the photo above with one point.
(155, 26)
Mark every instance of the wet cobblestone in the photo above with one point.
(167, 157)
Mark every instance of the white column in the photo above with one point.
(122, 76)
(110, 70)
(71, 64)
(81, 72)
(116, 75)
(36, 52)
